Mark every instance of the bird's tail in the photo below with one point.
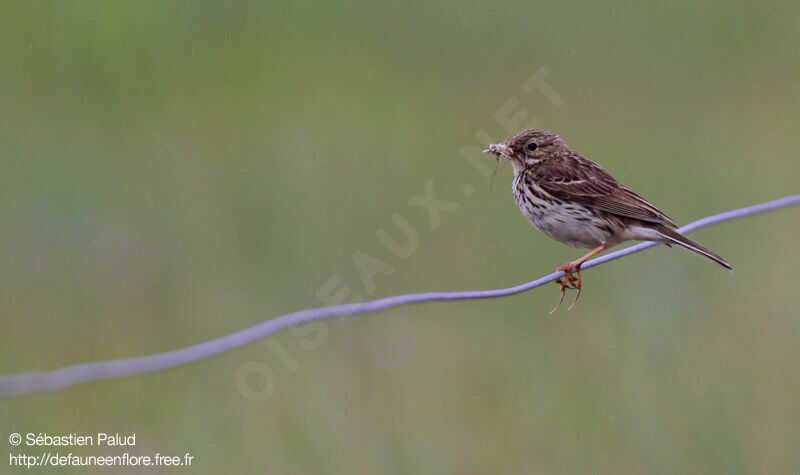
(673, 236)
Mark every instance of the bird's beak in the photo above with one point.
(499, 149)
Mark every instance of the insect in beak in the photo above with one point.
(497, 151)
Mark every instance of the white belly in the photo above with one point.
(576, 229)
(570, 224)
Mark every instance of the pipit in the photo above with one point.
(576, 202)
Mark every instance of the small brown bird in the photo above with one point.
(575, 201)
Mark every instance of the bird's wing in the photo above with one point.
(589, 184)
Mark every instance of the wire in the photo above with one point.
(68, 376)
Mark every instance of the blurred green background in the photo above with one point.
(174, 172)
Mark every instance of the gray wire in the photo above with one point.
(68, 376)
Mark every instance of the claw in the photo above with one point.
(575, 300)
(571, 283)
(563, 291)
(577, 286)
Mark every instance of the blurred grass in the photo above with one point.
(175, 172)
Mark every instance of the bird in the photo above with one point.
(577, 202)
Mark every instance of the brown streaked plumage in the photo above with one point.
(575, 201)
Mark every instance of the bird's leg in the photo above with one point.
(573, 282)
(575, 265)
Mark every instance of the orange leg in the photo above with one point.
(572, 282)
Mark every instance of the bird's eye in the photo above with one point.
(532, 146)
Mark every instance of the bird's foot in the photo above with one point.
(571, 282)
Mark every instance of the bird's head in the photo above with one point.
(528, 148)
